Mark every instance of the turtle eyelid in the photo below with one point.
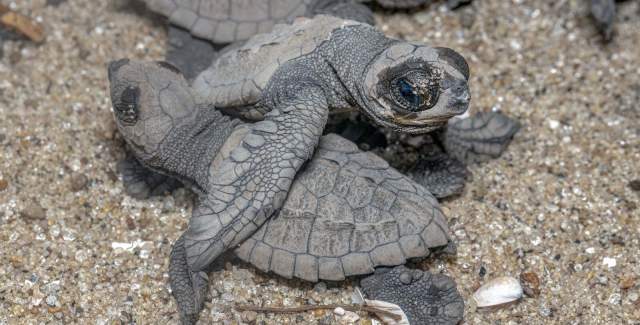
(168, 66)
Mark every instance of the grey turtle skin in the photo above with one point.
(346, 213)
(424, 297)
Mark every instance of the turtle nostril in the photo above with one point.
(460, 89)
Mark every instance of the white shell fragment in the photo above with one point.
(498, 291)
(389, 307)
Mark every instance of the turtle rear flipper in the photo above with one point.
(480, 137)
(346, 213)
(190, 54)
(424, 297)
(440, 174)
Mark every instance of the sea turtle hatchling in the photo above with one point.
(346, 211)
(288, 81)
(199, 29)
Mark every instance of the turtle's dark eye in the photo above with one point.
(168, 66)
(408, 92)
(412, 86)
(127, 107)
(416, 90)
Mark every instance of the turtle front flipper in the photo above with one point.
(480, 137)
(440, 174)
(141, 182)
(188, 288)
(246, 188)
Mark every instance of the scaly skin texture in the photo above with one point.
(249, 186)
(242, 179)
(424, 297)
(441, 174)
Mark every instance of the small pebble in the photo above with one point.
(52, 300)
(320, 287)
(482, 272)
(615, 299)
(545, 311)
(131, 224)
(249, 316)
(602, 279)
(609, 262)
(339, 311)
(627, 283)
(4, 184)
(78, 182)
(530, 284)
(34, 212)
(498, 291)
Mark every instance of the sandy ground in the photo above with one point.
(560, 203)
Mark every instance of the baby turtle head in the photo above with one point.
(416, 88)
(149, 100)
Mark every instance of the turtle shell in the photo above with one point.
(347, 212)
(237, 77)
(226, 21)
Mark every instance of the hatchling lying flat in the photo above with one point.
(346, 213)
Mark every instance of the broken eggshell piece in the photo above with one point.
(498, 291)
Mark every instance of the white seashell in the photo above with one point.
(498, 291)
(392, 308)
